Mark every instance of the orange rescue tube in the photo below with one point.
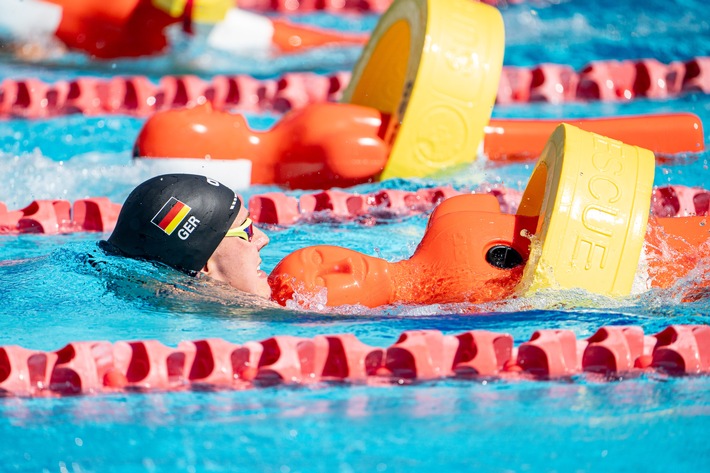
(470, 252)
(116, 28)
(518, 139)
(292, 37)
(449, 264)
(320, 146)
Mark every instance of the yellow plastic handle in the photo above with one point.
(593, 196)
(203, 11)
(434, 67)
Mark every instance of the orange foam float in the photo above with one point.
(323, 145)
(338, 145)
(132, 28)
(666, 134)
(95, 367)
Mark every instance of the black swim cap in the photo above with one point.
(176, 219)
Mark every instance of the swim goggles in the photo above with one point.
(245, 231)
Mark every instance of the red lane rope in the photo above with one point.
(138, 96)
(51, 217)
(92, 367)
(281, 209)
(335, 6)
(99, 214)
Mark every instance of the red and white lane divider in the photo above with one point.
(335, 6)
(51, 217)
(138, 96)
(277, 208)
(99, 214)
(99, 367)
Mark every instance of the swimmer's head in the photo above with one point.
(175, 219)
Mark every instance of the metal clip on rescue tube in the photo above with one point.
(593, 195)
(434, 67)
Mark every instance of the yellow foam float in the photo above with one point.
(593, 195)
(434, 67)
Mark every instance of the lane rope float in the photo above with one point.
(281, 210)
(95, 367)
(138, 96)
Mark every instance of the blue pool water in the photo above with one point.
(50, 296)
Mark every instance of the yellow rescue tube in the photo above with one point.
(593, 196)
(434, 67)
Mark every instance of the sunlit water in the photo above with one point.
(50, 295)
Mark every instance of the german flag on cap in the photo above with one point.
(153, 214)
(170, 215)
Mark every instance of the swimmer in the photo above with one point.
(193, 224)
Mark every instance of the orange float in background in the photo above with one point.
(292, 37)
(665, 134)
(133, 28)
(319, 146)
(337, 145)
(117, 28)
